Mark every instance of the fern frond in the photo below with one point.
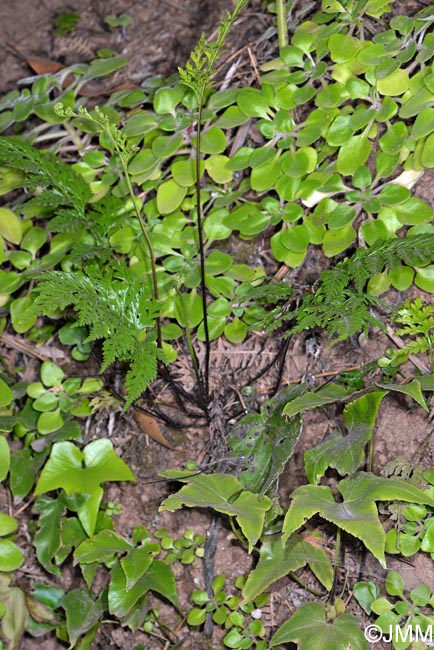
(340, 304)
(143, 369)
(119, 311)
(199, 70)
(43, 169)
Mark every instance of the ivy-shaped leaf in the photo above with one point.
(345, 453)
(412, 389)
(158, 577)
(82, 472)
(223, 493)
(264, 442)
(309, 628)
(357, 514)
(101, 547)
(276, 561)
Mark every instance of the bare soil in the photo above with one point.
(160, 38)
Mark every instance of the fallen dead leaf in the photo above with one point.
(149, 425)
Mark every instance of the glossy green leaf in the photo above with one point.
(23, 315)
(170, 195)
(231, 118)
(165, 146)
(378, 284)
(310, 629)
(336, 241)
(252, 102)
(213, 140)
(166, 99)
(83, 472)
(158, 577)
(102, 67)
(427, 158)
(412, 389)
(345, 453)
(236, 331)
(365, 593)
(5, 458)
(47, 539)
(342, 47)
(218, 262)
(6, 395)
(395, 584)
(8, 524)
(353, 154)
(295, 238)
(137, 562)
(142, 162)
(11, 558)
(424, 278)
(394, 138)
(51, 374)
(49, 422)
(265, 176)
(329, 394)
(401, 277)
(276, 561)
(101, 547)
(23, 469)
(423, 124)
(413, 211)
(184, 172)
(416, 103)
(357, 513)
(219, 491)
(196, 616)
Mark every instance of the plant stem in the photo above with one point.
(202, 251)
(336, 565)
(190, 347)
(145, 235)
(282, 25)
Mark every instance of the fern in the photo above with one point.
(417, 320)
(199, 70)
(340, 305)
(63, 187)
(119, 311)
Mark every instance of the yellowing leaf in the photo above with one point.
(216, 166)
(395, 84)
(170, 196)
(10, 226)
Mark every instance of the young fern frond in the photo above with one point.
(117, 311)
(199, 70)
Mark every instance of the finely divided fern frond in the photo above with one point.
(63, 187)
(340, 305)
(119, 312)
